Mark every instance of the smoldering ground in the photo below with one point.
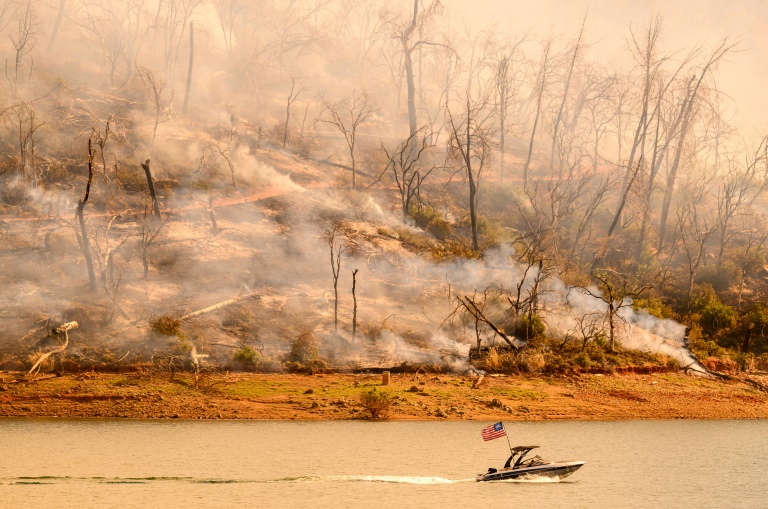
(278, 247)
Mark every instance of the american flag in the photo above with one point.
(493, 431)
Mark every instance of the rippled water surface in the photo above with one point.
(90, 463)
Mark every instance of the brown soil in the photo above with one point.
(336, 396)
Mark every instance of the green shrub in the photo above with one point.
(583, 361)
(376, 403)
(717, 316)
(431, 221)
(653, 306)
(246, 358)
(529, 327)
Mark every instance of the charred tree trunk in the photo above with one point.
(84, 241)
(472, 184)
(747, 338)
(212, 214)
(354, 305)
(191, 63)
(56, 26)
(407, 49)
(151, 185)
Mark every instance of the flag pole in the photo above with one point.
(507, 435)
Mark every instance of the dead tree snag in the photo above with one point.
(83, 237)
(151, 185)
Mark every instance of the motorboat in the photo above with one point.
(518, 466)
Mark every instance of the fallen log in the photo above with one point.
(243, 298)
(63, 328)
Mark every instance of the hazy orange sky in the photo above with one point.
(686, 22)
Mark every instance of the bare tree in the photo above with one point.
(173, 17)
(347, 116)
(21, 120)
(751, 253)
(337, 249)
(291, 99)
(409, 44)
(470, 146)
(163, 108)
(148, 235)
(722, 49)
(616, 290)
(694, 229)
(737, 188)
(507, 83)
(409, 174)
(556, 126)
(23, 40)
(541, 84)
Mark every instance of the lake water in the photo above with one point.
(94, 463)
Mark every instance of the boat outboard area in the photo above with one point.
(520, 466)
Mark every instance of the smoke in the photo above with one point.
(275, 181)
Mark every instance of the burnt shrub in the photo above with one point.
(168, 325)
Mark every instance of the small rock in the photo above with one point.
(315, 404)
(414, 389)
(3, 388)
(495, 403)
(309, 391)
(454, 409)
(440, 413)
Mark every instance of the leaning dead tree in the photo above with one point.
(82, 237)
(223, 304)
(56, 331)
(476, 311)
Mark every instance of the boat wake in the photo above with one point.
(394, 479)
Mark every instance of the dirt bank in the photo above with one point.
(319, 397)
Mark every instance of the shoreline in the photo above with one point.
(417, 397)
